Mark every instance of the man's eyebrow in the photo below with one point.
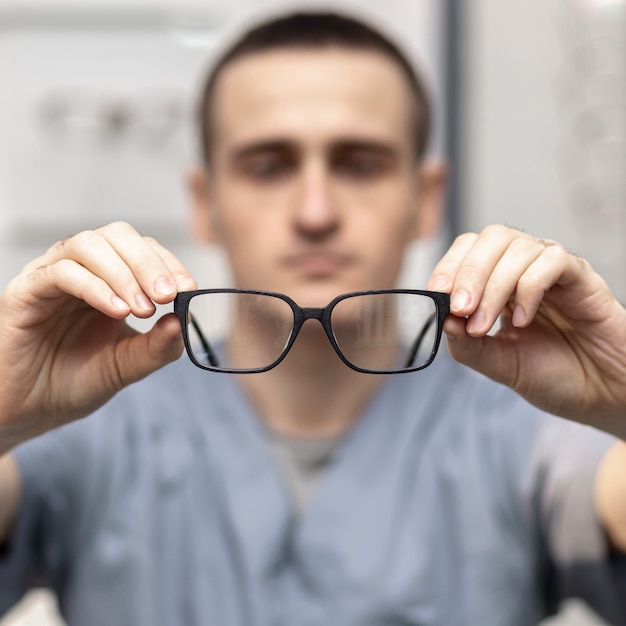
(260, 147)
(339, 146)
(380, 148)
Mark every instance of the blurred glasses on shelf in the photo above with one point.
(84, 119)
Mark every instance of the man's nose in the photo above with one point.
(315, 210)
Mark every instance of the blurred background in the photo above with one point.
(97, 98)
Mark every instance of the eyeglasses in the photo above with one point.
(241, 331)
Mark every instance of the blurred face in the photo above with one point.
(313, 188)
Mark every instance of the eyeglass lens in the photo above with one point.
(376, 332)
(387, 331)
(239, 331)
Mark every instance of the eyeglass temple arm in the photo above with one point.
(205, 344)
(418, 342)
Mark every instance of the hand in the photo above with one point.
(562, 337)
(66, 348)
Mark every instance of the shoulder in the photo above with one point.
(474, 416)
(534, 450)
(163, 403)
(147, 431)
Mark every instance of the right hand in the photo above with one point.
(65, 348)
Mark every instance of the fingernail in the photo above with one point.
(460, 300)
(143, 302)
(184, 282)
(477, 321)
(519, 316)
(164, 287)
(118, 303)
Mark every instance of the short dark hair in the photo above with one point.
(314, 30)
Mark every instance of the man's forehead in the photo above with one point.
(327, 90)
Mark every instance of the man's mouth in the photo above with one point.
(318, 263)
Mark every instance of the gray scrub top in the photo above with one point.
(451, 501)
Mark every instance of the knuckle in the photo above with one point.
(151, 241)
(498, 231)
(496, 285)
(119, 227)
(60, 271)
(34, 266)
(557, 253)
(470, 273)
(464, 238)
(57, 248)
(33, 273)
(530, 281)
(525, 245)
(59, 245)
(85, 238)
(63, 266)
(582, 263)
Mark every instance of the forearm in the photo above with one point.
(610, 495)
(9, 495)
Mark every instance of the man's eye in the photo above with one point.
(360, 167)
(267, 169)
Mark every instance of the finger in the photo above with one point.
(149, 269)
(147, 352)
(554, 265)
(503, 282)
(478, 265)
(180, 274)
(492, 356)
(93, 250)
(442, 277)
(67, 277)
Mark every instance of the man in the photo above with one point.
(312, 493)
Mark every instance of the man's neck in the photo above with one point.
(310, 397)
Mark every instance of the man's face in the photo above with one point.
(313, 188)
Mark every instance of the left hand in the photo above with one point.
(562, 337)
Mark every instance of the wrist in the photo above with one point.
(13, 435)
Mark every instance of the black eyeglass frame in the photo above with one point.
(302, 314)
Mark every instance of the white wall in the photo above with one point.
(545, 142)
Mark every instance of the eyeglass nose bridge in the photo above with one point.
(321, 314)
(313, 314)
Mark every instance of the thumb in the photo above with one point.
(147, 352)
(489, 355)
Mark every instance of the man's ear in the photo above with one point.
(431, 177)
(202, 222)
